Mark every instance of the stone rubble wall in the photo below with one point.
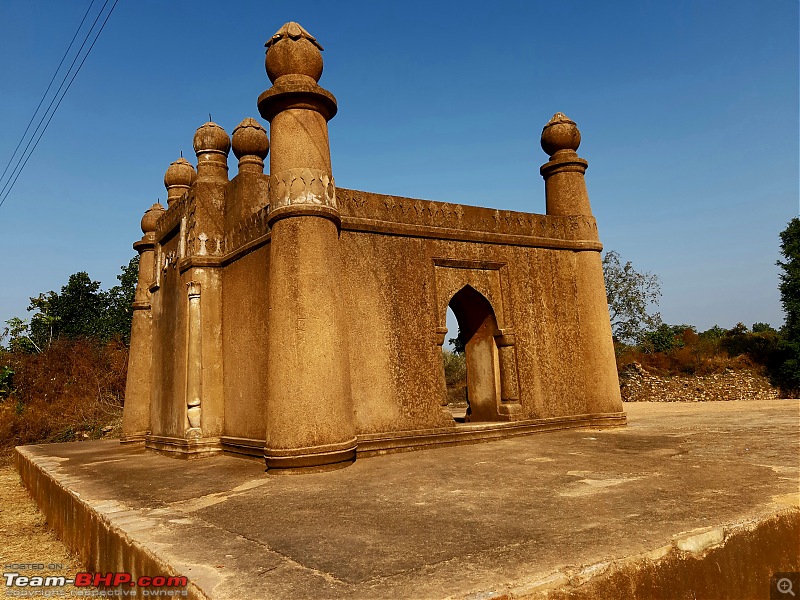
(638, 385)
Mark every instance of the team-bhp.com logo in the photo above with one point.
(96, 584)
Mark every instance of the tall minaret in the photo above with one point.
(136, 414)
(565, 191)
(309, 411)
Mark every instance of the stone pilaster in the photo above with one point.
(194, 363)
(136, 414)
(510, 407)
(309, 412)
(203, 242)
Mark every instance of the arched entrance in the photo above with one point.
(478, 326)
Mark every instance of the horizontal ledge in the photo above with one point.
(373, 444)
(382, 443)
(243, 446)
(463, 235)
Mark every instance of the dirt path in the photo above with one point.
(25, 539)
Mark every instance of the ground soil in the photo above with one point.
(25, 538)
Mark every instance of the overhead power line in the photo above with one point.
(23, 159)
(49, 85)
(17, 168)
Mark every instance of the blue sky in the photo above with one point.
(688, 111)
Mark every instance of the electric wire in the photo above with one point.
(52, 114)
(17, 168)
(49, 85)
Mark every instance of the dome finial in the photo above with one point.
(151, 217)
(294, 31)
(210, 137)
(560, 134)
(293, 51)
(179, 177)
(211, 145)
(250, 145)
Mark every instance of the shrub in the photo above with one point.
(666, 338)
(455, 367)
(73, 390)
(455, 375)
(6, 381)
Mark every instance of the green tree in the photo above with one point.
(630, 297)
(666, 337)
(44, 323)
(6, 381)
(763, 328)
(787, 373)
(762, 344)
(458, 342)
(79, 307)
(80, 310)
(19, 336)
(118, 312)
(716, 333)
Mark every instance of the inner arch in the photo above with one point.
(477, 327)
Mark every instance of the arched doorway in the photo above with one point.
(478, 326)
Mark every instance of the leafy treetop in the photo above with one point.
(80, 310)
(630, 296)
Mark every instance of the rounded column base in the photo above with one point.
(316, 458)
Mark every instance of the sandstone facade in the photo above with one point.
(279, 315)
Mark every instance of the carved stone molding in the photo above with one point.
(173, 215)
(247, 230)
(427, 213)
(193, 289)
(302, 186)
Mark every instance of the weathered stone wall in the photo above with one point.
(638, 385)
(244, 338)
(402, 266)
(168, 409)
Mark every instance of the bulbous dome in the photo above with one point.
(181, 172)
(151, 217)
(560, 133)
(293, 51)
(250, 139)
(211, 138)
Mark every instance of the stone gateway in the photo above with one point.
(280, 316)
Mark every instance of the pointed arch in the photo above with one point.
(477, 325)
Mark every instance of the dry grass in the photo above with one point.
(72, 391)
(697, 356)
(24, 536)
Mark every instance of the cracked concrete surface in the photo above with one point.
(515, 518)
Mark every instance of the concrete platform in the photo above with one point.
(689, 500)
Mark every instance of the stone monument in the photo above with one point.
(282, 317)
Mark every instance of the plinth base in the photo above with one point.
(690, 500)
(327, 457)
(182, 447)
